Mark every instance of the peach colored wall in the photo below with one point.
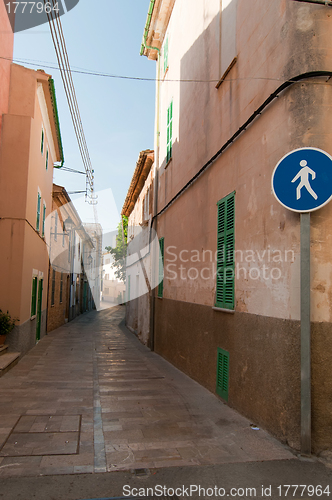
(6, 51)
(22, 173)
(275, 41)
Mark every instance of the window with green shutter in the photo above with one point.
(166, 55)
(161, 268)
(61, 287)
(34, 296)
(44, 217)
(225, 252)
(53, 288)
(169, 132)
(38, 212)
(46, 159)
(42, 142)
(222, 374)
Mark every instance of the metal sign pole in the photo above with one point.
(305, 336)
(302, 182)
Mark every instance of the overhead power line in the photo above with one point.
(50, 65)
(66, 75)
(68, 169)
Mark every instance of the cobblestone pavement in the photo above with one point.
(90, 398)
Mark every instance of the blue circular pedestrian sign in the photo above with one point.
(302, 180)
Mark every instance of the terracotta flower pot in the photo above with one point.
(2, 339)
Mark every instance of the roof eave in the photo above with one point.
(142, 170)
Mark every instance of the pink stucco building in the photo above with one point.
(239, 334)
(30, 145)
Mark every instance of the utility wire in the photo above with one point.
(72, 170)
(65, 71)
(50, 65)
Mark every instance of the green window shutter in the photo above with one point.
(38, 212)
(169, 132)
(223, 374)
(46, 159)
(42, 142)
(44, 217)
(161, 268)
(61, 287)
(225, 253)
(34, 296)
(166, 55)
(53, 288)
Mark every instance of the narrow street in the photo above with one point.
(89, 398)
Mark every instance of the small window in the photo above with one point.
(228, 48)
(44, 218)
(34, 296)
(53, 288)
(42, 142)
(166, 55)
(63, 235)
(107, 277)
(106, 291)
(38, 212)
(107, 261)
(169, 132)
(161, 268)
(46, 159)
(225, 252)
(223, 374)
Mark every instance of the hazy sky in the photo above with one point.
(117, 114)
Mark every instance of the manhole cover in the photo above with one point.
(39, 435)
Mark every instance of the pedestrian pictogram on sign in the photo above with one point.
(304, 176)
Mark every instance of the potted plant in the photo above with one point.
(7, 324)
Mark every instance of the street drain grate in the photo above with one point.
(141, 472)
(43, 435)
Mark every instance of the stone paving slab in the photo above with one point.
(90, 398)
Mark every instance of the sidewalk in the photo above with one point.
(90, 398)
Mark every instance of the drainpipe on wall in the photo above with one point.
(146, 30)
(156, 160)
(155, 207)
(320, 2)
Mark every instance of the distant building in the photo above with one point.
(94, 272)
(30, 145)
(70, 252)
(113, 289)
